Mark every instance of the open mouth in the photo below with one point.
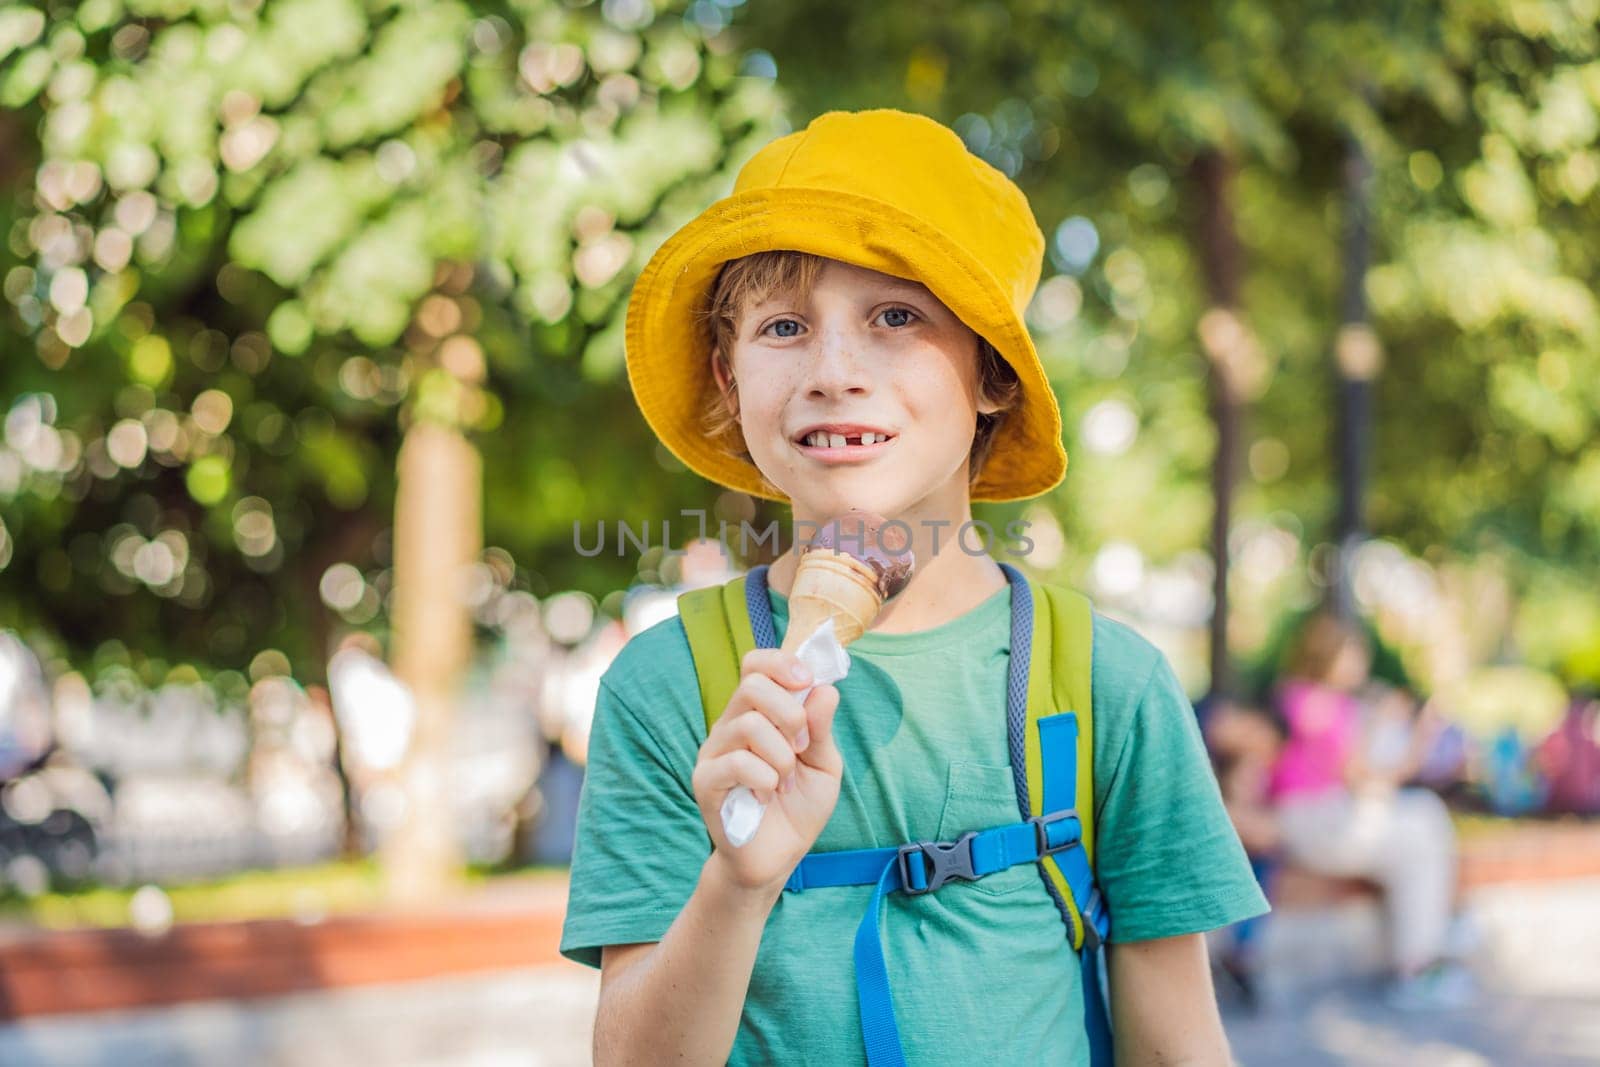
(843, 442)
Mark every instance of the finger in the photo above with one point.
(732, 769)
(782, 667)
(777, 704)
(821, 707)
(771, 701)
(755, 732)
(759, 735)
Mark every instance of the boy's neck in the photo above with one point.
(946, 584)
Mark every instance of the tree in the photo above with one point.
(260, 266)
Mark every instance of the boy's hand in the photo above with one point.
(784, 753)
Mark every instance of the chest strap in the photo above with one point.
(924, 867)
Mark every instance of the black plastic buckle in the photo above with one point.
(1042, 837)
(945, 860)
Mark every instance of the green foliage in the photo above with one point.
(249, 242)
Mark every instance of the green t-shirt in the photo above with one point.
(981, 971)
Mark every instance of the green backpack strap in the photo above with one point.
(717, 623)
(1059, 672)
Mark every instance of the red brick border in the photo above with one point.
(54, 973)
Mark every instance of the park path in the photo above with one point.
(532, 1017)
(1540, 959)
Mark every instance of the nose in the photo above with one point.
(836, 369)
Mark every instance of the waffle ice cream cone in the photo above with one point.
(832, 585)
(857, 561)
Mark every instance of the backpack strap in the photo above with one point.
(1052, 738)
(1071, 674)
(718, 619)
(1055, 770)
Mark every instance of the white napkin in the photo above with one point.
(829, 662)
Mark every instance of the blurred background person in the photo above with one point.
(1415, 743)
(1569, 758)
(1341, 813)
(1244, 742)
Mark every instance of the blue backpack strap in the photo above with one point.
(1051, 737)
(759, 607)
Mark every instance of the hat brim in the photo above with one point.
(668, 347)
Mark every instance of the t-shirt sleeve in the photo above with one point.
(1168, 859)
(640, 841)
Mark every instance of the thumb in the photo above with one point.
(822, 753)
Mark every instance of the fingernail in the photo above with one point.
(788, 784)
(802, 740)
(799, 673)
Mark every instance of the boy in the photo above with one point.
(845, 330)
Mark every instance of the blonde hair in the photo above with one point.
(751, 279)
(1321, 641)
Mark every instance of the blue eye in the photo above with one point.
(791, 328)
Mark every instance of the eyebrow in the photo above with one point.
(904, 284)
(889, 281)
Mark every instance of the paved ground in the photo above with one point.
(1541, 957)
(541, 1017)
(1539, 965)
(1351, 1028)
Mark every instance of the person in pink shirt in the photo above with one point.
(1342, 815)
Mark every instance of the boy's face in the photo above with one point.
(864, 353)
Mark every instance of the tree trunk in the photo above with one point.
(1224, 341)
(437, 535)
(353, 540)
(1356, 361)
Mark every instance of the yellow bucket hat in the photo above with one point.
(888, 190)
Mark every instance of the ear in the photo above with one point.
(726, 385)
(986, 406)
